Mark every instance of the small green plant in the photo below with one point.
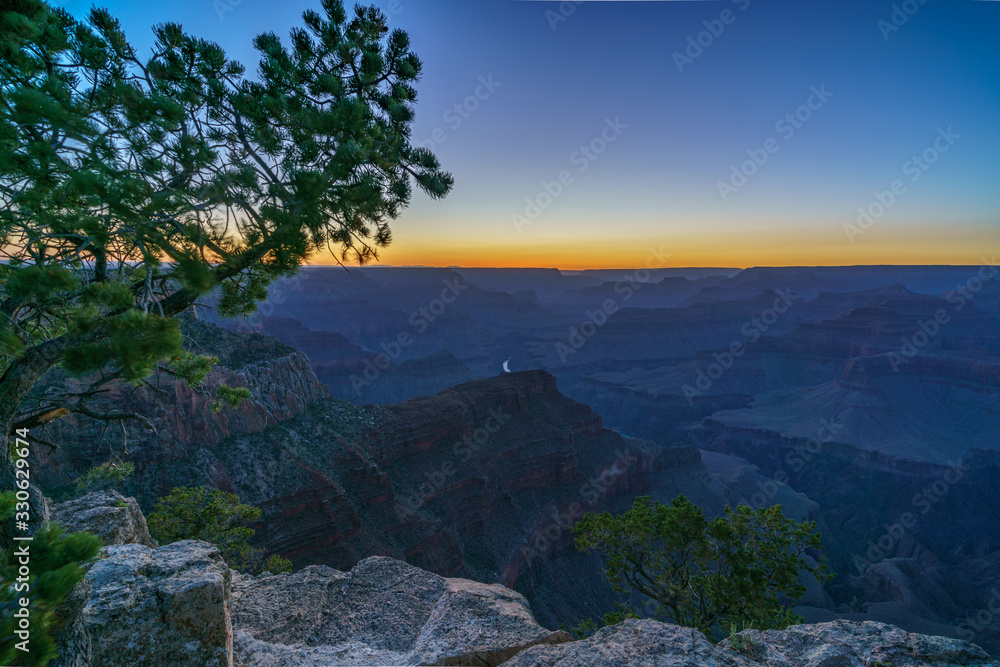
(589, 626)
(197, 513)
(741, 644)
(58, 562)
(277, 564)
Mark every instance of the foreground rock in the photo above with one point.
(109, 515)
(851, 643)
(179, 605)
(631, 643)
(382, 612)
(167, 607)
(646, 643)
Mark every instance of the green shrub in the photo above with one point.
(197, 513)
(742, 568)
(589, 626)
(277, 564)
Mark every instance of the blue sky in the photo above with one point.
(665, 175)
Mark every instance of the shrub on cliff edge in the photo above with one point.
(197, 513)
(741, 569)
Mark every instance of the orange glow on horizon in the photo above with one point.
(740, 249)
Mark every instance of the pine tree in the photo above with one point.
(130, 186)
(739, 570)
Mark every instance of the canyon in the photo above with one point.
(382, 422)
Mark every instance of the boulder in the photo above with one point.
(382, 612)
(634, 643)
(112, 517)
(167, 607)
(855, 644)
(648, 643)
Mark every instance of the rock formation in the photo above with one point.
(167, 607)
(838, 644)
(381, 612)
(481, 481)
(179, 605)
(108, 515)
(280, 381)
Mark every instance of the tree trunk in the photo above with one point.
(17, 381)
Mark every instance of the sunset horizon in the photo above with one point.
(757, 133)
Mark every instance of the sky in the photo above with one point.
(607, 134)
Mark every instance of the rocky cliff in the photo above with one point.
(361, 376)
(914, 542)
(281, 386)
(180, 605)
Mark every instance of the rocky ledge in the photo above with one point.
(107, 514)
(382, 612)
(180, 605)
(647, 643)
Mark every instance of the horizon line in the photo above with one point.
(632, 268)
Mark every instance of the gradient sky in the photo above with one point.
(656, 184)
